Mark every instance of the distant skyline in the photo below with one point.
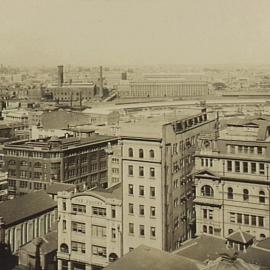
(134, 32)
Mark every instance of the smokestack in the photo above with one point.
(60, 75)
(101, 82)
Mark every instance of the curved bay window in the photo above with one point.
(230, 193)
(207, 191)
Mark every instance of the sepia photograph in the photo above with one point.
(134, 135)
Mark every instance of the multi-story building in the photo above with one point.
(25, 218)
(232, 179)
(157, 162)
(3, 186)
(34, 164)
(163, 88)
(89, 228)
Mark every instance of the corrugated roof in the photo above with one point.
(20, 208)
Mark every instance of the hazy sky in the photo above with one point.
(114, 32)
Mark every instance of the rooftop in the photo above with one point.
(146, 258)
(114, 192)
(57, 187)
(240, 237)
(26, 206)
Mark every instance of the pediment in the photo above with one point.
(206, 174)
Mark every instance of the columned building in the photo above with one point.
(232, 179)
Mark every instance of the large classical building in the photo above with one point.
(232, 179)
(90, 228)
(156, 165)
(25, 218)
(34, 164)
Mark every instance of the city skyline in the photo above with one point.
(91, 32)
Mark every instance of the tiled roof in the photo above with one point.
(26, 206)
(147, 258)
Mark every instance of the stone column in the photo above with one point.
(69, 265)
(59, 264)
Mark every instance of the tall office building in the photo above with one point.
(232, 179)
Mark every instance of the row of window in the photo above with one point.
(141, 171)
(142, 230)
(246, 219)
(98, 211)
(141, 153)
(244, 149)
(141, 210)
(141, 191)
(245, 167)
(27, 184)
(208, 191)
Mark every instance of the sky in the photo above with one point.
(134, 32)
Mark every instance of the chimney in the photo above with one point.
(60, 75)
(101, 82)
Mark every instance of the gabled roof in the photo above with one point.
(147, 258)
(206, 173)
(240, 237)
(26, 206)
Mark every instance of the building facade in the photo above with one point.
(89, 229)
(157, 182)
(232, 180)
(34, 164)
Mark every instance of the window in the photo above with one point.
(64, 225)
(130, 152)
(141, 190)
(78, 227)
(131, 228)
(245, 167)
(207, 191)
(23, 184)
(261, 168)
(232, 217)
(229, 165)
(246, 219)
(210, 229)
(37, 165)
(151, 153)
(141, 210)
(153, 232)
(232, 149)
(152, 192)
(78, 247)
(253, 167)
(230, 193)
(113, 211)
(113, 233)
(152, 211)
(237, 166)
(141, 171)
(245, 195)
(261, 197)
(141, 230)
(64, 248)
(130, 208)
(253, 221)
(251, 149)
(239, 218)
(64, 206)
(230, 231)
(78, 208)
(99, 211)
(99, 251)
(140, 153)
(152, 172)
(99, 231)
(210, 214)
(204, 213)
(130, 170)
(204, 228)
(131, 249)
(261, 221)
(259, 150)
(130, 189)
(202, 162)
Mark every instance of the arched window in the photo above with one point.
(245, 195)
(64, 248)
(207, 191)
(23, 163)
(37, 165)
(12, 162)
(261, 197)
(210, 229)
(130, 152)
(262, 236)
(230, 193)
(151, 153)
(204, 228)
(140, 153)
